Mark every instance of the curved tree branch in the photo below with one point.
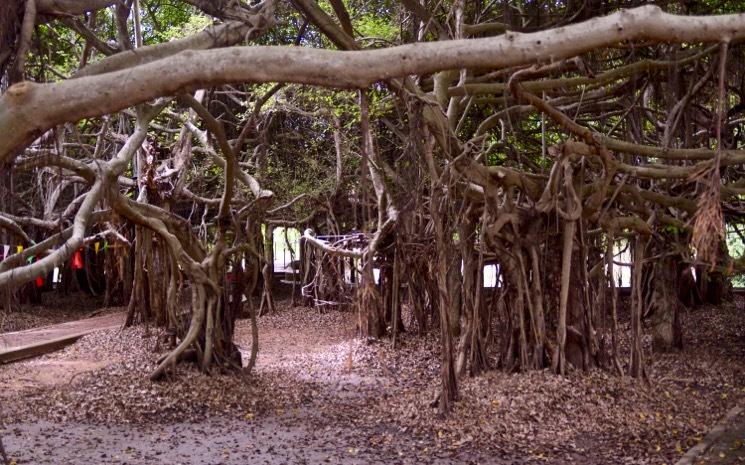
(28, 109)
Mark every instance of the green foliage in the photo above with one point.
(736, 249)
(370, 20)
(672, 229)
(376, 26)
(496, 158)
(163, 21)
(57, 54)
(178, 29)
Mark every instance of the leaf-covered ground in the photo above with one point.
(319, 395)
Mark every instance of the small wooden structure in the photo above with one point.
(329, 279)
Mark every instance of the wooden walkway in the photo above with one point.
(38, 341)
(724, 445)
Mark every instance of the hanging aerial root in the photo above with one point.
(559, 360)
(708, 230)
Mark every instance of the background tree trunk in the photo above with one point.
(665, 305)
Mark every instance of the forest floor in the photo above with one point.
(320, 395)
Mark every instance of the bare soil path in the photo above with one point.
(309, 371)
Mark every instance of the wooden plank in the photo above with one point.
(691, 457)
(34, 350)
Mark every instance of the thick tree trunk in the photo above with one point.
(466, 233)
(449, 386)
(614, 303)
(267, 273)
(713, 285)
(559, 361)
(665, 306)
(11, 16)
(538, 319)
(370, 305)
(148, 299)
(211, 330)
(636, 357)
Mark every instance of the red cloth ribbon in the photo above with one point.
(77, 261)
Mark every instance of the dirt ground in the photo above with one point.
(319, 395)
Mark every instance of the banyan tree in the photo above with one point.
(413, 142)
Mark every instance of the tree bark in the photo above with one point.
(636, 357)
(666, 328)
(559, 362)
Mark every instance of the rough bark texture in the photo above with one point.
(11, 16)
(666, 327)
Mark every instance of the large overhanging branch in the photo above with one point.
(71, 7)
(252, 23)
(27, 109)
(213, 36)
